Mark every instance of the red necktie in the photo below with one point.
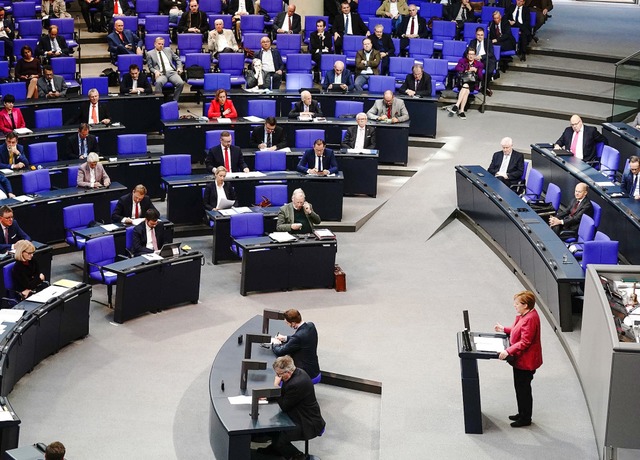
(227, 163)
(121, 37)
(115, 7)
(94, 117)
(290, 24)
(574, 208)
(389, 111)
(137, 210)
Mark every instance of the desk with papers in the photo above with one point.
(43, 255)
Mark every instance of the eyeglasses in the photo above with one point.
(280, 374)
(29, 252)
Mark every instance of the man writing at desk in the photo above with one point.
(148, 236)
(92, 174)
(389, 109)
(568, 220)
(302, 346)
(318, 161)
(270, 136)
(297, 216)
(132, 206)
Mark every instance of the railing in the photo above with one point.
(626, 88)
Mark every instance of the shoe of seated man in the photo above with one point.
(462, 115)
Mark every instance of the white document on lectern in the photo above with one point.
(48, 293)
(234, 400)
(489, 344)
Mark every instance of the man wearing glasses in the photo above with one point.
(11, 231)
(270, 136)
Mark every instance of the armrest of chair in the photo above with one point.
(99, 267)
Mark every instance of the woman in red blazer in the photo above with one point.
(6, 125)
(221, 107)
(524, 353)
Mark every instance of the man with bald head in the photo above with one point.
(288, 22)
(390, 109)
(306, 105)
(508, 164)
(123, 41)
(566, 223)
(338, 77)
(581, 140)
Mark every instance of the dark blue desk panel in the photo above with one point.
(620, 216)
(524, 236)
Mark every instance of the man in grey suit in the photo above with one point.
(390, 109)
(92, 174)
(51, 86)
(166, 66)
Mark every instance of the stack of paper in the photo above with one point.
(282, 237)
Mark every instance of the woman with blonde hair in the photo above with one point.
(27, 277)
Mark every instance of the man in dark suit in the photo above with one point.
(360, 136)
(566, 223)
(384, 44)
(484, 49)
(149, 236)
(52, 45)
(318, 161)
(302, 346)
(519, 18)
(12, 154)
(347, 23)
(133, 205)
(9, 28)
(412, 26)
(272, 63)
(134, 83)
(297, 400)
(11, 231)
(123, 41)
(508, 164)
(581, 140)
(82, 143)
(320, 43)
(6, 191)
(288, 22)
(226, 155)
(306, 105)
(114, 8)
(459, 12)
(338, 73)
(500, 34)
(194, 21)
(630, 183)
(417, 83)
(51, 86)
(94, 111)
(269, 136)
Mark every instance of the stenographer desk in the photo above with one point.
(183, 136)
(620, 217)
(624, 138)
(271, 266)
(144, 285)
(42, 219)
(184, 193)
(43, 255)
(423, 112)
(525, 237)
(231, 426)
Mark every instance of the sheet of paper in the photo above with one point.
(282, 237)
(227, 212)
(9, 315)
(489, 344)
(323, 233)
(152, 256)
(22, 131)
(242, 210)
(23, 198)
(137, 221)
(248, 174)
(6, 172)
(236, 400)
(225, 203)
(253, 119)
(110, 227)
(5, 416)
(605, 184)
(224, 121)
(66, 283)
(48, 293)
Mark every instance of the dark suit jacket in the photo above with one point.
(314, 108)
(215, 158)
(627, 182)
(424, 87)
(108, 9)
(4, 156)
(10, 23)
(298, 400)
(83, 114)
(316, 44)
(422, 27)
(330, 78)
(591, 137)
(384, 43)
(235, 4)
(308, 161)
(526, 17)
(278, 63)
(15, 234)
(572, 221)
(138, 246)
(451, 13)
(506, 40)
(515, 168)
(44, 45)
(117, 46)
(127, 83)
(124, 205)
(278, 137)
(58, 82)
(278, 22)
(302, 346)
(5, 185)
(349, 140)
(357, 25)
(73, 148)
(183, 25)
(488, 46)
(211, 194)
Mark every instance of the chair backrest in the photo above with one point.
(600, 236)
(189, 43)
(125, 60)
(216, 81)
(132, 144)
(36, 181)
(251, 40)
(145, 8)
(609, 162)
(77, 216)
(149, 40)
(296, 81)
(261, 108)
(231, 63)
(599, 252)
(72, 176)
(227, 20)
(253, 23)
(30, 28)
(443, 30)
(273, 7)
(156, 23)
(201, 59)
(66, 27)
(327, 61)
(348, 108)
(453, 50)
(247, 224)
(99, 83)
(288, 44)
(128, 238)
(386, 23)
(43, 152)
(211, 6)
(212, 138)
(131, 23)
(587, 229)
(421, 48)
(298, 63)
(100, 251)
(351, 44)
(430, 10)
(553, 195)
(378, 84)
(48, 118)
(597, 213)
(486, 15)
(534, 185)
(7, 275)
(276, 193)
(169, 111)
(400, 67)
(469, 31)
(26, 10)
(310, 25)
(271, 161)
(65, 67)
(175, 165)
(18, 89)
(306, 137)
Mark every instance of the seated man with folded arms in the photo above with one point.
(361, 136)
(11, 231)
(508, 164)
(566, 223)
(306, 105)
(297, 216)
(149, 236)
(133, 205)
(318, 161)
(92, 174)
(581, 140)
(269, 136)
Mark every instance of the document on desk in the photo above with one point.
(247, 174)
(5, 416)
(605, 184)
(8, 315)
(224, 121)
(66, 283)
(137, 221)
(242, 210)
(489, 343)
(237, 400)
(6, 171)
(110, 227)
(282, 237)
(23, 198)
(48, 293)
(152, 256)
(253, 119)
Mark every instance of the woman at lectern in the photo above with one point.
(27, 277)
(524, 353)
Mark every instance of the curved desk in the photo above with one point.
(524, 236)
(231, 426)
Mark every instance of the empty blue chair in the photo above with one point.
(243, 226)
(442, 30)
(72, 177)
(216, 81)
(18, 89)
(586, 232)
(553, 195)
(132, 144)
(350, 108)
(288, 44)
(534, 185)
(261, 108)
(421, 48)
(276, 193)
(233, 64)
(252, 23)
(297, 81)
(609, 162)
(37, 181)
(175, 165)
(65, 67)
(306, 137)
(431, 10)
(299, 63)
(189, 43)
(272, 7)
(169, 111)
(378, 84)
(211, 6)
(48, 118)
(30, 28)
(212, 138)
(99, 252)
(597, 213)
(146, 8)
(24, 10)
(156, 24)
(99, 83)
(599, 252)
(43, 152)
(438, 69)
(201, 59)
(271, 161)
(77, 217)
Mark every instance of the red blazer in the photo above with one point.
(5, 122)
(214, 109)
(524, 337)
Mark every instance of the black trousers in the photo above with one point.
(282, 441)
(522, 383)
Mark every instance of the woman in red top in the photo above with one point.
(466, 64)
(10, 117)
(221, 107)
(524, 353)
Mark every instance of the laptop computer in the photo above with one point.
(170, 250)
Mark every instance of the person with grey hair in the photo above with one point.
(255, 76)
(221, 40)
(27, 277)
(92, 174)
(94, 112)
(306, 105)
(361, 136)
(508, 164)
(297, 216)
(298, 400)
